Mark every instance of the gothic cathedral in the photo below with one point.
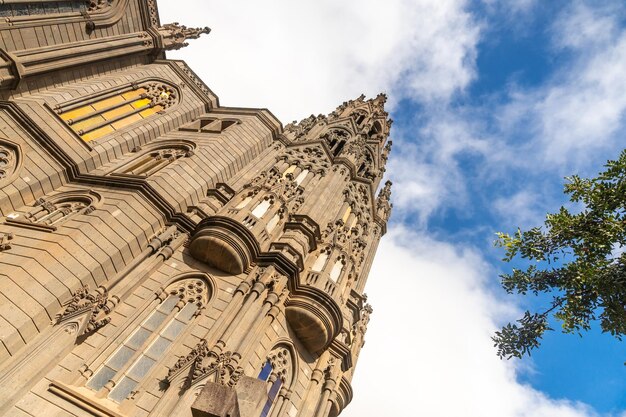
(162, 255)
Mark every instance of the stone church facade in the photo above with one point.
(160, 254)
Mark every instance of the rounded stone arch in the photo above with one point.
(367, 163)
(285, 362)
(142, 155)
(88, 197)
(183, 144)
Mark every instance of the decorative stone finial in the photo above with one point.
(175, 35)
(383, 205)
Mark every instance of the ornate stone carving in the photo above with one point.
(383, 204)
(312, 158)
(282, 364)
(203, 362)
(98, 5)
(175, 35)
(152, 11)
(191, 291)
(8, 161)
(302, 128)
(194, 79)
(94, 304)
(161, 95)
(5, 241)
(356, 147)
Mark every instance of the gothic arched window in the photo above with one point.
(142, 349)
(320, 262)
(337, 269)
(367, 163)
(336, 140)
(151, 161)
(95, 116)
(359, 117)
(261, 208)
(52, 211)
(278, 371)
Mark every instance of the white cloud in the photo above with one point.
(303, 57)
(428, 350)
(523, 209)
(580, 111)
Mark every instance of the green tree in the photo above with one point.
(577, 258)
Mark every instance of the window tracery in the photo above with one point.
(17, 8)
(10, 160)
(51, 212)
(359, 117)
(336, 139)
(104, 113)
(278, 372)
(125, 369)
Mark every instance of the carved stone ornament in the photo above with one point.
(356, 147)
(161, 95)
(175, 35)
(5, 241)
(312, 158)
(98, 5)
(383, 204)
(9, 161)
(302, 128)
(282, 364)
(203, 362)
(91, 304)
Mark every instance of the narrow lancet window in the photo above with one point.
(260, 210)
(320, 262)
(149, 342)
(302, 176)
(335, 273)
(272, 223)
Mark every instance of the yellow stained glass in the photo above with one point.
(149, 112)
(76, 113)
(140, 103)
(98, 133)
(346, 214)
(87, 123)
(134, 93)
(120, 111)
(125, 112)
(289, 170)
(126, 121)
(103, 104)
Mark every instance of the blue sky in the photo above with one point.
(494, 103)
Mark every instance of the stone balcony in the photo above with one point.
(313, 308)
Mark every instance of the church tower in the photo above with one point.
(160, 254)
